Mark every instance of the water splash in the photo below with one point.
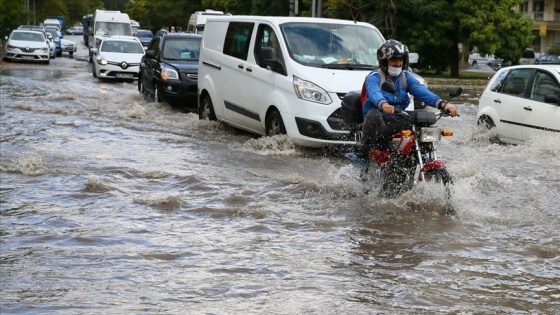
(30, 163)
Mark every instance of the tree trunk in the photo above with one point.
(454, 60)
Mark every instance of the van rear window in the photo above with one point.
(528, 53)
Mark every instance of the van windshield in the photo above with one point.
(330, 45)
(112, 28)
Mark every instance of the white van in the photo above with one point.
(271, 75)
(198, 19)
(106, 23)
(135, 25)
(52, 22)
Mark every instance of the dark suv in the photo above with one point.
(169, 69)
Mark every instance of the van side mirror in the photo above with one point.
(389, 87)
(267, 59)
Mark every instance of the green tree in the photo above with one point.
(435, 28)
(12, 14)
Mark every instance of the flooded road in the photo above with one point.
(111, 204)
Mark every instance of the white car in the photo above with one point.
(28, 45)
(522, 102)
(475, 58)
(68, 46)
(117, 58)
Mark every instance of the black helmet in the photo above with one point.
(392, 49)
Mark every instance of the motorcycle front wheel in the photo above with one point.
(442, 176)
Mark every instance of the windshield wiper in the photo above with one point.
(349, 66)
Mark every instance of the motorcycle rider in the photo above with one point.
(378, 106)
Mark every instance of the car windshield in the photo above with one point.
(53, 33)
(144, 34)
(125, 47)
(332, 45)
(182, 49)
(28, 36)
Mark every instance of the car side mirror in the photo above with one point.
(93, 51)
(150, 53)
(552, 99)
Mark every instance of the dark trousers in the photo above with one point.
(376, 130)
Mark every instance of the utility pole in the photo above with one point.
(27, 10)
(313, 8)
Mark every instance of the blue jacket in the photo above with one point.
(376, 97)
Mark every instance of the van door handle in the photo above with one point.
(497, 101)
(528, 108)
(249, 69)
(240, 66)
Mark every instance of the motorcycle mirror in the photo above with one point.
(389, 87)
(455, 91)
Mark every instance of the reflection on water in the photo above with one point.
(39, 73)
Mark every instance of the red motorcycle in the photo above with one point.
(410, 155)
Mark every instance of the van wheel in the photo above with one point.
(274, 124)
(206, 109)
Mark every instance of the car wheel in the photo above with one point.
(274, 124)
(70, 53)
(94, 71)
(206, 109)
(486, 122)
(474, 63)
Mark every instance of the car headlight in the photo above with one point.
(101, 61)
(310, 91)
(430, 134)
(169, 74)
(11, 47)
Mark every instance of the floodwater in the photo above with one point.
(111, 204)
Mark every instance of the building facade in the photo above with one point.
(546, 26)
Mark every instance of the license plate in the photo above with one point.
(27, 57)
(125, 75)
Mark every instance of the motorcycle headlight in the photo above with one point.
(430, 134)
(310, 91)
(169, 74)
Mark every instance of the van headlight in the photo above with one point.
(430, 134)
(169, 74)
(310, 91)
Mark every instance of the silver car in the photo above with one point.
(28, 45)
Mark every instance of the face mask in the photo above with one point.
(394, 71)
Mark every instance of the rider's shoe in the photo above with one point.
(357, 162)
